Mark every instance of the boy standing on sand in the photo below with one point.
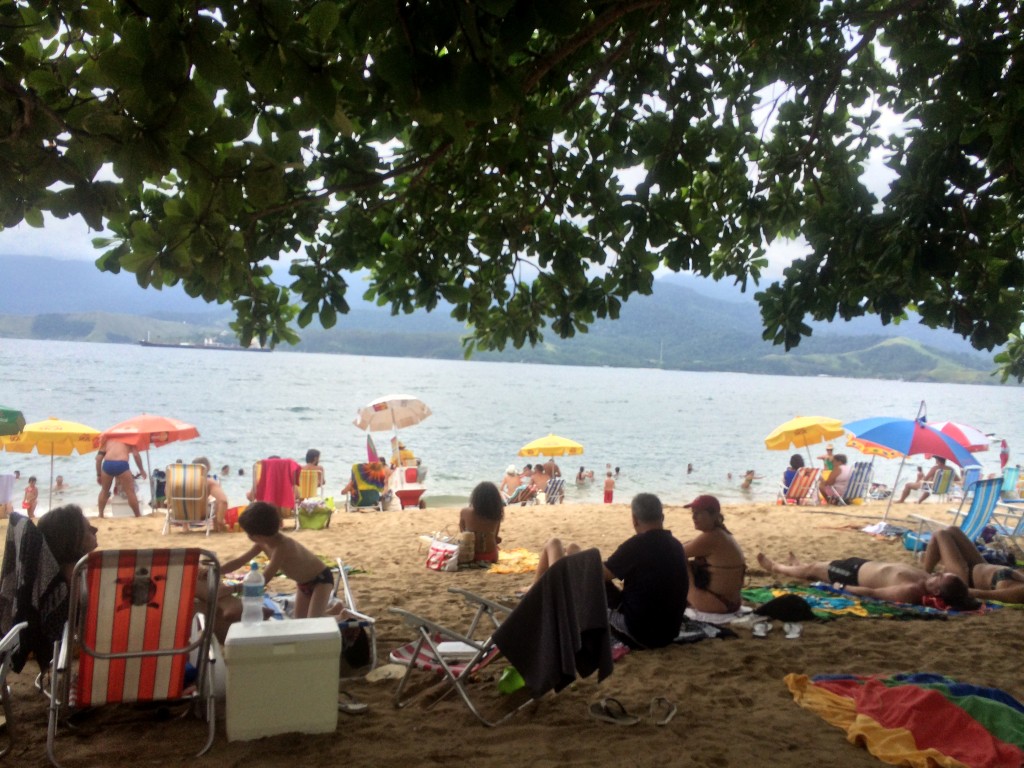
(31, 498)
(313, 580)
(609, 487)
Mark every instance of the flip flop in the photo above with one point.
(611, 711)
(662, 710)
(762, 628)
(793, 629)
(351, 705)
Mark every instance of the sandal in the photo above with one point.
(611, 711)
(662, 710)
(351, 705)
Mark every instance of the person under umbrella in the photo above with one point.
(112, 464)
(924, 480)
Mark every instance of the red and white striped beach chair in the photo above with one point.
(134, 635)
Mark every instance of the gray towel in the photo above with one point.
(560, 628)
(32, 589)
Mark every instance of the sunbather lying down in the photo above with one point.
(896, 582)
(949, 549)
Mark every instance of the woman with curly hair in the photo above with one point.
(483, 518)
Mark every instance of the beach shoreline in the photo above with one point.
(734, 709)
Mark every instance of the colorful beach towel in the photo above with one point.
(276, 482)
(515, 561)
(827, 602)
(369, 476)
(918, 720)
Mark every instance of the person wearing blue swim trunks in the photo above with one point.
(115, 467)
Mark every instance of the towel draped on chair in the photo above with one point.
(560, 628)
(276, 483)
(32, 589)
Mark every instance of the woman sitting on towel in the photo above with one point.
(483, 518)
(953, 551)
(715, 561)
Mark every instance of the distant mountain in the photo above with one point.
(677, 327)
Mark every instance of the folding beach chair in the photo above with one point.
(369, 483)
(8, 646)
(455, 655)
(311, 481)
(983, 505)
(803, 487)
(860, 480)
(133, 635)
(1008, 490)
(559, 631)
(274, 482)
(555, 491)
(522, 494)
(312, 511)
(187, 497)
(941, 486)
(358, 631)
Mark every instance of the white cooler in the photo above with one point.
(282, 677)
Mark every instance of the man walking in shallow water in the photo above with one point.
(115, 466)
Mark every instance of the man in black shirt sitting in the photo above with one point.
(648, 610)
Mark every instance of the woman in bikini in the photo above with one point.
(483, 519)
(716, 563)
(950, 548)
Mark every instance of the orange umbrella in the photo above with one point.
(872, 449)
(148, 429)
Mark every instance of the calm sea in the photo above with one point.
(649, 423)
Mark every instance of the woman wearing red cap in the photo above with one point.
(716, 563)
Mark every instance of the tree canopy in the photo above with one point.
(529, 162)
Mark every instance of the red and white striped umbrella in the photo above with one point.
(971, 438)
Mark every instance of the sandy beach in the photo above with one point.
(733, 707)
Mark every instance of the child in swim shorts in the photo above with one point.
(314, 580)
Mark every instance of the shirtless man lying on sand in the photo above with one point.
(895, 582)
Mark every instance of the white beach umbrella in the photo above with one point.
(391, 412)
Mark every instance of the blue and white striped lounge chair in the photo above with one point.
(983, 505)
(859, 483)
(555, 491)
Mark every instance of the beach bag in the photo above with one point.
(443, 555)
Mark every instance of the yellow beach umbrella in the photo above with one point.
(552, 445)
(803, 431)
(52, 437)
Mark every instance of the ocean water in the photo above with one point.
(650, 423)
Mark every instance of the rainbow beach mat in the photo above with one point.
(918, 719)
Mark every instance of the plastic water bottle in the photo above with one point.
(252, 596)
